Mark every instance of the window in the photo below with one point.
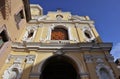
(59, 34)
(104, 74)
(3, 37)
(19, 17)
(30, 33)
(87, 34)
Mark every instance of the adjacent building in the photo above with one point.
(57, 45)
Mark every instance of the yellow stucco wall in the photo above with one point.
(42, 34)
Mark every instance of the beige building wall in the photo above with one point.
(8, 10)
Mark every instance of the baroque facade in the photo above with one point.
(57, 45)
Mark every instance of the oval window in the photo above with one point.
(88, 34)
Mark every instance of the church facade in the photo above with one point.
(57, 45)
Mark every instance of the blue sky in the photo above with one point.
(105, 13)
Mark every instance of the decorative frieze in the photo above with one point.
(19, 59)
(88, 58)
(99, 61)
(30, 59)
(97, 58)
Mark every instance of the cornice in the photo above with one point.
(37, 46)
(63, 21)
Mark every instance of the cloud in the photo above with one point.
(116, 51)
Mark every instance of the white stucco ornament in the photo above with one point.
(13, 72)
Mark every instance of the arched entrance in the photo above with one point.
(59, 67)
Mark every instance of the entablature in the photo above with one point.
(62, 21)
(38, 46)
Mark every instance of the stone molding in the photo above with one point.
(62, 21)
(85, 74)
(37, 46)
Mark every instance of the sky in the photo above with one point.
(105, 13)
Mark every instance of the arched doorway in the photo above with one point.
(59, 33)
(59, 67)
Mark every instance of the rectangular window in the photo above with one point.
(19, 17)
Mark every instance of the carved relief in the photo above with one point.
(30, 59)
(13, 72)
(88, 58)
(99, 61)
(19, 59)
